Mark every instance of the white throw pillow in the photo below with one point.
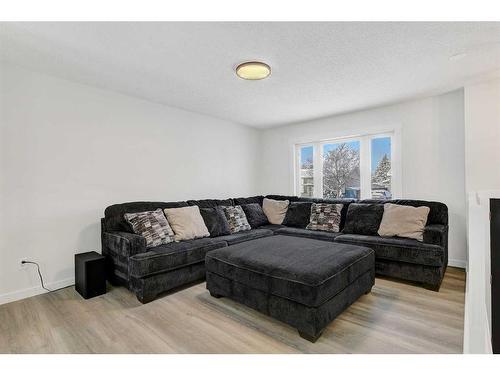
(186, 222)
(403, 221)
(275, 210)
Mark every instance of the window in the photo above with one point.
(351, 167)
(381, 168)
(341, 173)
(306, 172)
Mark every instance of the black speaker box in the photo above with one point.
(90, 274)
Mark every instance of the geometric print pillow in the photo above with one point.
(152, 225)
(325, 217)
(236, 218)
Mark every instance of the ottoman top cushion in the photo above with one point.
(305, 270)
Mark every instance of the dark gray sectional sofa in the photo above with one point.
(151, 271)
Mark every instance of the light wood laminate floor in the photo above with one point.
(395, 317)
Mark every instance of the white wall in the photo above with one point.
(482, 136)
(68, 150)
(432, 153)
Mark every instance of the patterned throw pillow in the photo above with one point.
(236, 218)
(152, 225)
(325, 217)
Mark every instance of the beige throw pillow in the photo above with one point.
(275, 210)
(186, 222)
(403, 221)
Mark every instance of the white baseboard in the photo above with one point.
(457, 263)
(34, 291)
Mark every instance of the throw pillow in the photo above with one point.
(275, 210)
(254, 214)
(152, 225)
(403, 221)
(186, 223)
(216, 221)
(363, 218)
(236, 218)
(325, 217)
(298, 214)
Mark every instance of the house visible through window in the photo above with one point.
(353, 167)
(306, 172)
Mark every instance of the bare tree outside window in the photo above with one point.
(341, 175)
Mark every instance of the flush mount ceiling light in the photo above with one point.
(253, 70)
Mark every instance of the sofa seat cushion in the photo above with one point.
(314, 234)
(273, 227)
(303, 270)
(245, 236)
(173, 255)
(398, 249)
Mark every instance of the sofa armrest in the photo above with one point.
(124, 243)
(436, 234)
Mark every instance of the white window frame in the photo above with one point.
(365, 142)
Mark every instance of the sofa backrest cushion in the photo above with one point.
(114, 219)
(438, 213)
(290, 198)
(298, 214)
(344, 201)
(208, 203)
(249, 200)
(363, 218)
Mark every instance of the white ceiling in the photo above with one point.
(318, 69)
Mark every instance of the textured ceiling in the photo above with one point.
(318, 69)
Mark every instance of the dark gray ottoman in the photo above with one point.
(300, 281)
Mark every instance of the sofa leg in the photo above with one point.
(215, 295)
(309, 337)
(145, 298)
(433, 287)
(368, 291)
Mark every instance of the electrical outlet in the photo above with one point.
(22, 265)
